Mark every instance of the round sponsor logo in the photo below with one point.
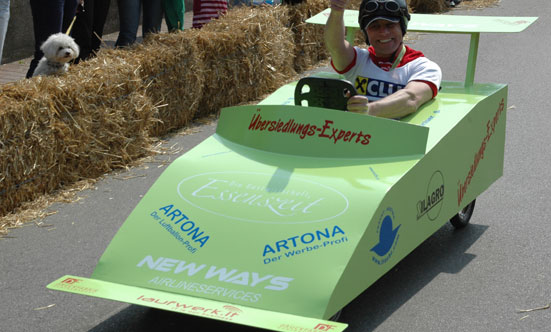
(388, 237)
(263, 198)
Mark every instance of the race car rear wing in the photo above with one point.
(472, 25)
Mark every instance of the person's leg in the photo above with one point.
(82, 29)
(152, 16)
(69, 12)
(101, 9)
(47, 20)
(196, 14)
(34, 4)
(129, 17)
(4, 19)
(170, 18)
(180, 7)
(174, 14)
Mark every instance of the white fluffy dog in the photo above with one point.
(58, 50)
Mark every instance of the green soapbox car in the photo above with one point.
(287, 213)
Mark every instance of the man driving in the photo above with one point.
(392, 80)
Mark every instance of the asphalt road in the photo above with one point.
(475, 279)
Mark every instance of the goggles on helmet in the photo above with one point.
(389, 6)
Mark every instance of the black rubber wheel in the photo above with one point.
(462, 218)
(336, 316)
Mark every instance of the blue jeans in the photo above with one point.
(129, 17)
(4, 18)
(49, 17)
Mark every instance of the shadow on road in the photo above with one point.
(443, 252)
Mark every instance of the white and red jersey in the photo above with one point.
(373, 78)
(206, 10)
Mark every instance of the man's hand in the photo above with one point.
(338, 5)
(358, 104)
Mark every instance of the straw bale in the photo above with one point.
(173, 74)
(477, 4)
(246, 53)
(427, 6)
(24, 134)
(57, 130)
(106, 110)
(308, 38)
(267, 27)
(226, 66)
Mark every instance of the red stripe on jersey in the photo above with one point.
(352, 64)
(432, 87)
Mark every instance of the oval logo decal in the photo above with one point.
(279, 198)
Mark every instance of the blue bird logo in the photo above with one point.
(387, 235)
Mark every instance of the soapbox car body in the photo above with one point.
(287, 213)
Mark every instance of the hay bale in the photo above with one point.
(57, 130)
(427, 6)
(104, 107)
(226, 64)
(173, 75)
(308, 38)
(24, 135)
(246, 53)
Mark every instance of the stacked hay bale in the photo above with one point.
(57, 130)
(308, 38)
(427, 6)
(104, 116)
(247, 53)
(25, 133)
(172, 72)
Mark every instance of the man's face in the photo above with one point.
(385, 37)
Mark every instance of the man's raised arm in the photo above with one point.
(342, 53)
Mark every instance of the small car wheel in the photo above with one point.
(461, 219)
(336, 316)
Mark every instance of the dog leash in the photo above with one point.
(81, 3)
(71, 25)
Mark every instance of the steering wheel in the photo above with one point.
(324, 92)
